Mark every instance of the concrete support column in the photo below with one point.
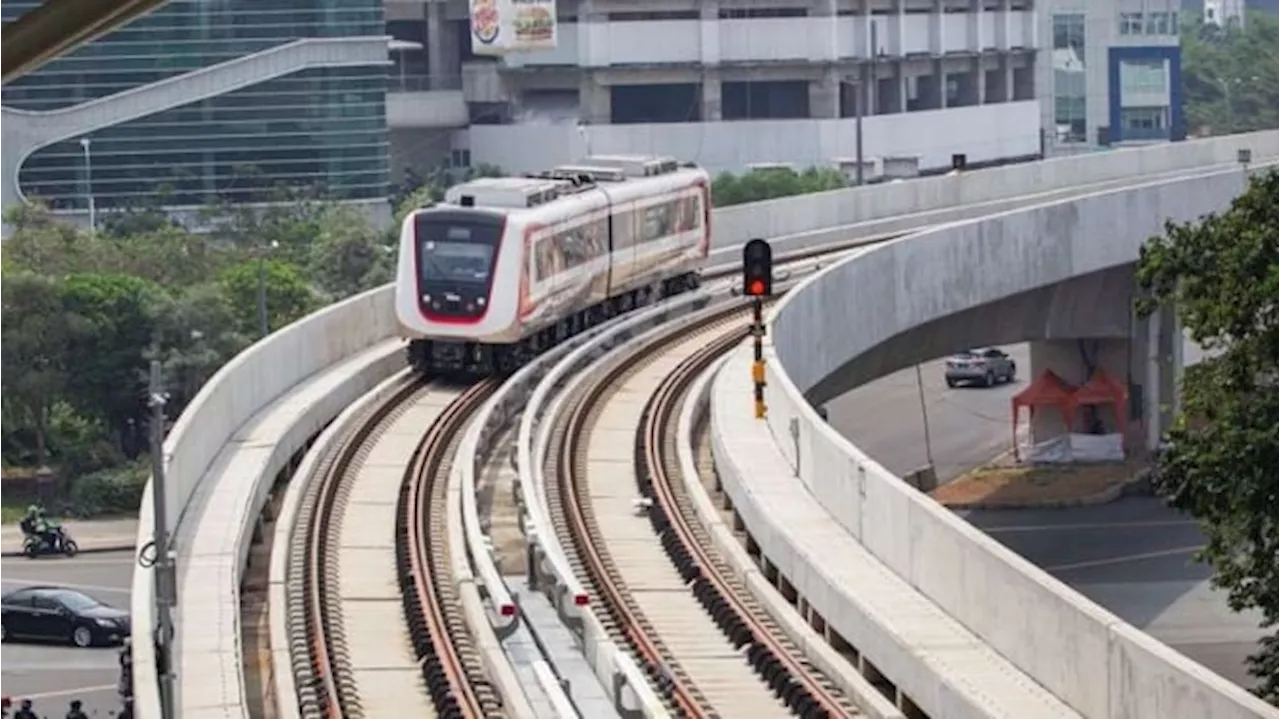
(1074, 361)
(936, 44)
(594, 100)
(979, 81)
(711, 99)
(709, 29)
(1006, 75)
(435, 44)
(824, 95)
(891, 88)
(940, 84)
(1178, 342)
(1151, 385)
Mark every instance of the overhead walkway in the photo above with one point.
(26, 131)
(910, 568)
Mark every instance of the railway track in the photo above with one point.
(613, 489)
(371, 592)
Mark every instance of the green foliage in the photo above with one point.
(33, 341)
(84, 313)
(111, 321)
(110, 491)
(1229, 74)
(348, 255)
(729, 189)
(288, 294)
(79, 443)
(1220, 465)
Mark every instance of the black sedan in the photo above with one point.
(61, 614)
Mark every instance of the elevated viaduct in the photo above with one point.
(252, 421)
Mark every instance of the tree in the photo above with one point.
(34, 349)
(170, 256)
(349, 255)
(289, 295)
(1220, 274)
(111, 321)
(1229, 74)
(48, 246)
(729, 189)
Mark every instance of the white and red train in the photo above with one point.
(506, 267)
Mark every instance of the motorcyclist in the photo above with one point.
(75, 712)
(25, 711)
(46, 528)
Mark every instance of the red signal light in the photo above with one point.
(756, 288)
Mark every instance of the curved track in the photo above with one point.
(374, 602)
(613, 485)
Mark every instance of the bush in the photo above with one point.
(79, 444)
(111, 491)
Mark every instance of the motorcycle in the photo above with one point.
(35, 545)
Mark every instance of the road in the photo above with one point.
(967, 425)
(1132, 557)
(50, 674)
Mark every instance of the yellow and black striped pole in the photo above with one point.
(757, 367)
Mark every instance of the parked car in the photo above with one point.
(981, 366)
(61, 614)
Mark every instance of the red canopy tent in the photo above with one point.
(1049, 390)
(1101, 389)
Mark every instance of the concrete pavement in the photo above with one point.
(968, 425)
(52, 674)
(93, 535)
(1135, 558)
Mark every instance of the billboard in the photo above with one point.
(502, 26)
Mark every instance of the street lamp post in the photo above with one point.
(264, 327)
(88, 181)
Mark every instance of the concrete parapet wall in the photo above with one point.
(1088, 657)
(238, 391)
(825, 210)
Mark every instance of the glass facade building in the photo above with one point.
(322, 127)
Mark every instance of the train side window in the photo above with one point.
(624, 235)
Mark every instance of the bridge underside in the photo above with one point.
(1093, 306)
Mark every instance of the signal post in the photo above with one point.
(757, 283)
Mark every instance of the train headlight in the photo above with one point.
(480, 301)
(426, 299)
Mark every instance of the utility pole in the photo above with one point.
(863, 96)
(263, 328)
(165, 577)
(88, 183)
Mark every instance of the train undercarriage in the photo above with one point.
(471, 359)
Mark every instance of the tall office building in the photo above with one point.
(1115, 76)
(203, 100)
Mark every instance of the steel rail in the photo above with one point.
(454, 673)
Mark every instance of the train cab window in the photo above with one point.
(456, 252)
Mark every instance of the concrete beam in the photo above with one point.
(56, 28)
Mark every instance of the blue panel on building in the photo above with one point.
(1171, 53)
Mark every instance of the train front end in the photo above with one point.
(451, 300)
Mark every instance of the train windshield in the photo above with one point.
(456, 251)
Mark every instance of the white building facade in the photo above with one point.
(1111, 75)
(732, 83)
(1223, 12)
